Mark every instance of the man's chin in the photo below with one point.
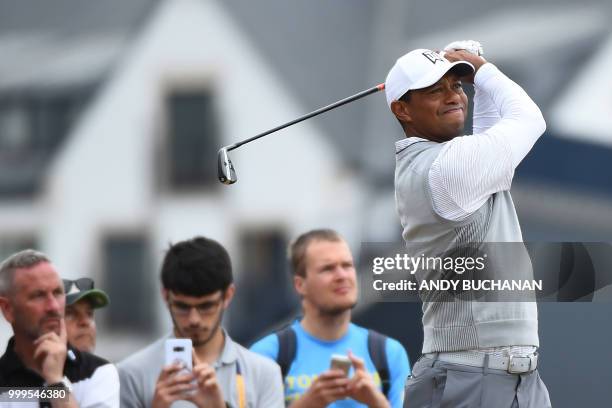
(50, 326)
(201, 337)
(452, 133)
(458, 129)
(338, 309)
(199, 341)
(84, 343)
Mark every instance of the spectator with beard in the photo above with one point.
(197, 287)
(32, 300)
(325, 279)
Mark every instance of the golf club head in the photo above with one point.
(225, 168)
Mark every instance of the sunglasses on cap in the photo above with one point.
(81, 284)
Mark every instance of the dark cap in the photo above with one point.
(83, 288)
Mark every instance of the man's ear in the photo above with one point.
(298, 284)
(7, 309)
(401, 110)
(229, 295)
(165, 293)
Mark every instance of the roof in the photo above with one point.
(72, 17)
(64, 43)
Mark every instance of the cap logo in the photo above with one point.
(73, 289)
(433, 57)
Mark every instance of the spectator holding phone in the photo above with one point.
(325, 278)
(197, 287)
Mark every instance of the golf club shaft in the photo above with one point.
(319, 111)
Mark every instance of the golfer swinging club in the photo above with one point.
(452, 190)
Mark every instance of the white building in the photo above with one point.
(137, 169)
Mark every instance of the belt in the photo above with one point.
(513, 364)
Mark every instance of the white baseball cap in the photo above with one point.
(419, 69)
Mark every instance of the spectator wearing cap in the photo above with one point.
(81, 300)
(32, 301)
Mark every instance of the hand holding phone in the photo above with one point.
(175, 382)
(329, 386)
(178, 351)
(340, 362)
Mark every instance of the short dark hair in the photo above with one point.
(405, 97)
(297, 248)
(196, 267)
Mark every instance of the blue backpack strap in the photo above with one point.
(378, 354)
(287, 343)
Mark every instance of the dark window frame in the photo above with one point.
(51, 116)
(192, 138)
(131, 285)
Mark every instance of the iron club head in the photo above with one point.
(225, 168)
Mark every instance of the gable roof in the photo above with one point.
(64, 43)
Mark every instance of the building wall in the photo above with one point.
(106, 181)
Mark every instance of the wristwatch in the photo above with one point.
(64, 384)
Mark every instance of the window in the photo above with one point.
(11, 244)
(264, 292)
(15, 132)
(32, 127)
(130, 282)
(193, 140)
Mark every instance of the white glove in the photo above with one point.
(471, 46)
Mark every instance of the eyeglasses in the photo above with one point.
(204, 309)
(81, 284)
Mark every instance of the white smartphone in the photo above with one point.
(179, 351)
(341, 362)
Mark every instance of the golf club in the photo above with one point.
(225, 168)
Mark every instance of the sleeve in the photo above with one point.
(129, 389)
(271, 392)
(399, 370)
(469, 169)
(102, 389)
(486, 113)
(267, 347)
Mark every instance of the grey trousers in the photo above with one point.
(438, 384)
